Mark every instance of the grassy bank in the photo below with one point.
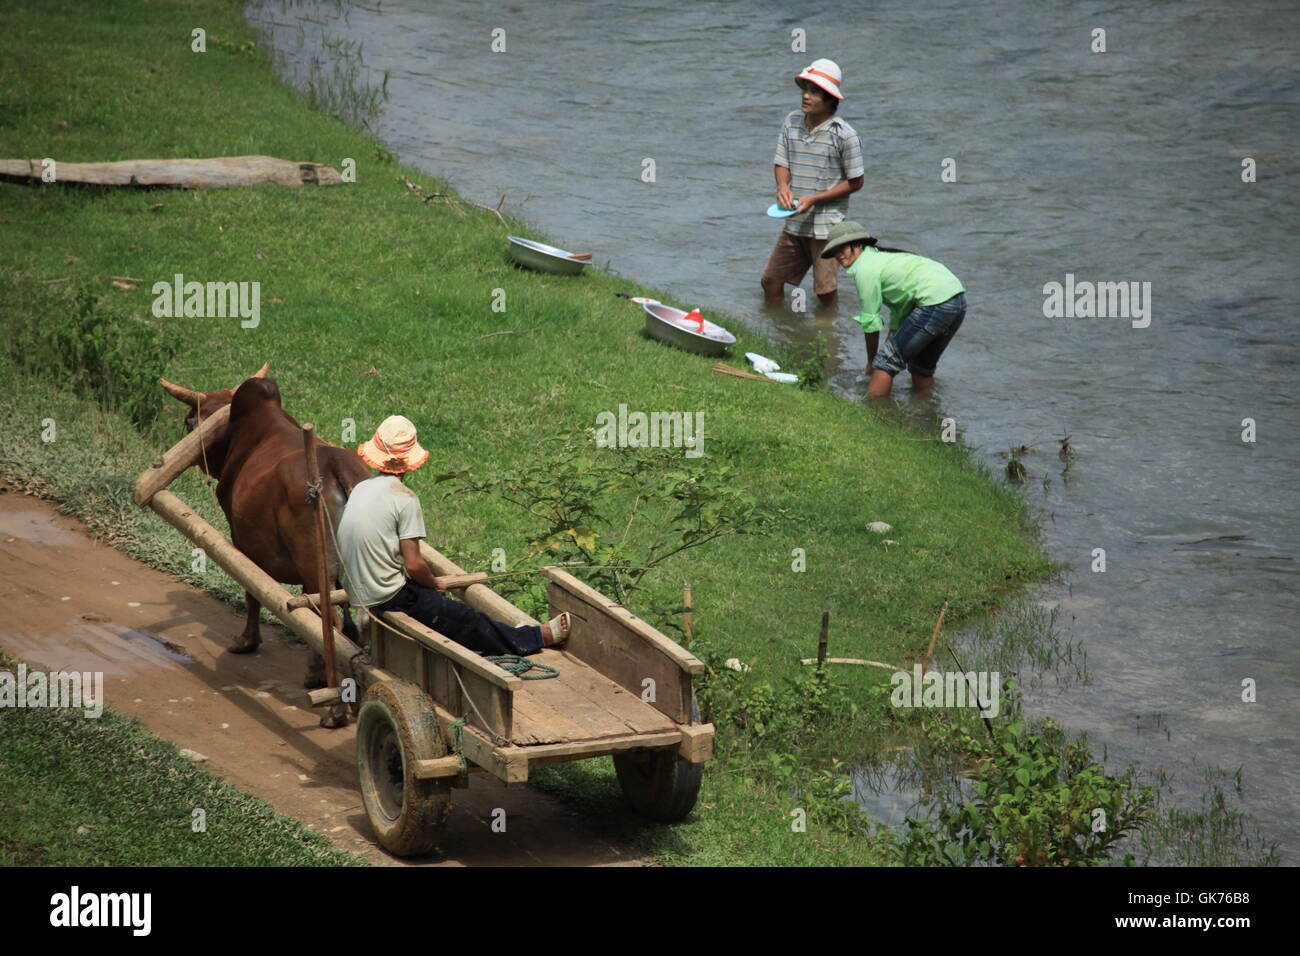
(105, 792)
(373, 302)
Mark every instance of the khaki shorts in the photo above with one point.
(793, 255)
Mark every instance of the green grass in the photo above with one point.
(105, 792)
(740, 820)
(380, 306)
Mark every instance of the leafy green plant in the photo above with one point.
(777, 712)
(618, 513)
(811, 369)
(829, 792)
(1038, 800)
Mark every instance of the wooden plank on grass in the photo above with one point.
(217, 172)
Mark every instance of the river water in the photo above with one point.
(1116, 166)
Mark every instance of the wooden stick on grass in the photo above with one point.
(849, 660)
(728, 370)
(338, 715)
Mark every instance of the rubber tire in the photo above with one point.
(659, 784)
(397, 726)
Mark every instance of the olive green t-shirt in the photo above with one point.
(380, 513)
(900, 280)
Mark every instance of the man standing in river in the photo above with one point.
(818, 164)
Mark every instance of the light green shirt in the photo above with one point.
(381, 511)
(900, 280)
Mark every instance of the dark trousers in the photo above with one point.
(462, 623)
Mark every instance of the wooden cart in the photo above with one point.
(430, 711)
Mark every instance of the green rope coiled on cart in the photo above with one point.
(519, 666)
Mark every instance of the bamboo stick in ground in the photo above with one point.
(823, 640)
(988, 724)
(929, 654)
(686, 601)
(338, 716)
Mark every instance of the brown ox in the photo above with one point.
(261, 471)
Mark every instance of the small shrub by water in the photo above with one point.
(88, 346)
(1039, 799)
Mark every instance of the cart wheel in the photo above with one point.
(659, 783)
(396, 727)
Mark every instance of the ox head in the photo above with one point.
(203, 404)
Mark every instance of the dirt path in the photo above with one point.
(73, 603)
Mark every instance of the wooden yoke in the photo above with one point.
(188, 451)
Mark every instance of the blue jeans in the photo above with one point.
(922, 337)
(462, 623)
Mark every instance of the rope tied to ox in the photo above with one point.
(457, 728)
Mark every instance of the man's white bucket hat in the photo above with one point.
(826, 74)
(393, 449)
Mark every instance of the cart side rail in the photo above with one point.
(455, 677)
(623, 647)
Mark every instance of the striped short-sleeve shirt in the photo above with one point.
(818, 159)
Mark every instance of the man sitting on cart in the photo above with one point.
(379, 542)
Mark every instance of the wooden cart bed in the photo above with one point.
(639, 698)
(580, 704)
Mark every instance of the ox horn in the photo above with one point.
(185, 395)
(261, 372)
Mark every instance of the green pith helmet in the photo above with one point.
(845, 232)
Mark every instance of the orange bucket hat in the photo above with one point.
(394, 449)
